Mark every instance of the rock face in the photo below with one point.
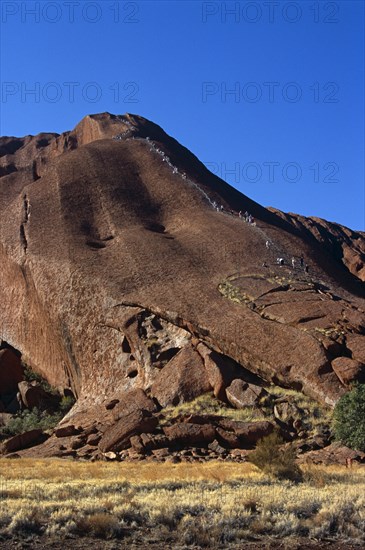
(118, 274)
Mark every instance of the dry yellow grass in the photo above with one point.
(315, 417)
(208, 404)
(195, 503)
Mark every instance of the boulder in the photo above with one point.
(93, 440)
(227, 439)
(134, 455)
(11, 371)
(220, 370)
(154, 441)
(132, 401)
(247, 432)
(182, 379)
(78, 443)
(110, 456)
(356, 344)
(333, 454)
(161, 453)
(137, 444)
(190, 434)
(117, 437)
(216, 447)
(241, 394)
(23, 441)
(67, 431)
(348, 370)
(33, 395)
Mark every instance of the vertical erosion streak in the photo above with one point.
(25, 220)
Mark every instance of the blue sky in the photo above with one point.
(269, 95)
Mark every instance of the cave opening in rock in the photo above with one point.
(126, 348)
(133, 373)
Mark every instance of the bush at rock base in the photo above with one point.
(349, 418)
(33, 419)
(32, 376)
(275, 459)
(30, 420)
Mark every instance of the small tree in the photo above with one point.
(349, 418)
(276, 459)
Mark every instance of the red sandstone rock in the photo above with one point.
(93, 439)
(356, 344)
(227, 438)
(348, 370)
(154, 441)
(214, 446)
(247, 432)
(24, 440)
(33, 395)
(67, 431)
(117, 436)
(240, 394)
(334, 454)
(220, 370)
(132, 401)
(182, 379)
(341, 242)
(111, 263)
(190, 434)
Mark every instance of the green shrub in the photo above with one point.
(30, 420)
(349, 418)
(30, 376)
(67, 402)
(275, 459)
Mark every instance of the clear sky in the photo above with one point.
(268, 94)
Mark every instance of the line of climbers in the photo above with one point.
(281, 261)
(246, 216)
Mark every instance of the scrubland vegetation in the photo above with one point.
(203, 505)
